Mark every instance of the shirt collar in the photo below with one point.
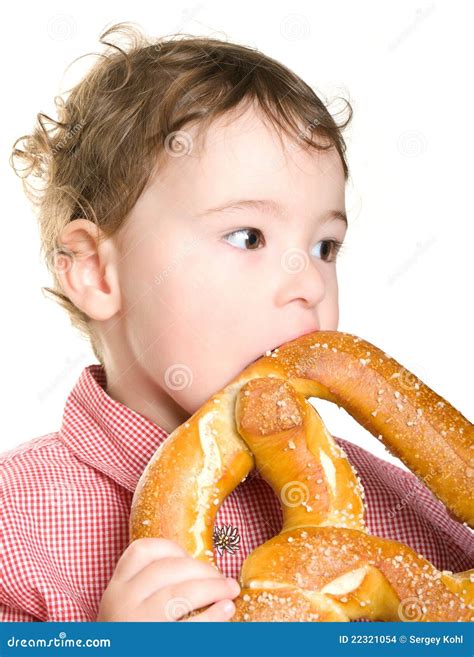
(105, 433)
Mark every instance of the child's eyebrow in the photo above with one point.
(268, 206)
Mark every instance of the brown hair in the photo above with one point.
(95, 159)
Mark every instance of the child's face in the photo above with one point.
(201, 301)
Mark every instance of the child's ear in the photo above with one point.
(88, 270)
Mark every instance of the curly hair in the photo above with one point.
(94, 160)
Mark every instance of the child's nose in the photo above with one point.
(301, 279)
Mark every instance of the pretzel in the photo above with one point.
(323, 565)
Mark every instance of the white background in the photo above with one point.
(406, 272)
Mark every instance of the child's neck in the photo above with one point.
(135, 390)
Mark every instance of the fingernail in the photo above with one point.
(228, 606)
(234, 582)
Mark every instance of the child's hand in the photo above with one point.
(156, 580)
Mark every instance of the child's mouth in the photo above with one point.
(268, 351)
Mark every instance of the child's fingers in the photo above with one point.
(179, 599)
(219, 612)
(143, 551)
(169, 571)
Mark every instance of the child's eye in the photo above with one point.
(251, 242)
(248, 238)
(329, 250)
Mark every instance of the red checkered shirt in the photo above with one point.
(66, 498)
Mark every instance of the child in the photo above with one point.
(191, 211)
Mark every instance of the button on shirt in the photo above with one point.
(65, 501)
